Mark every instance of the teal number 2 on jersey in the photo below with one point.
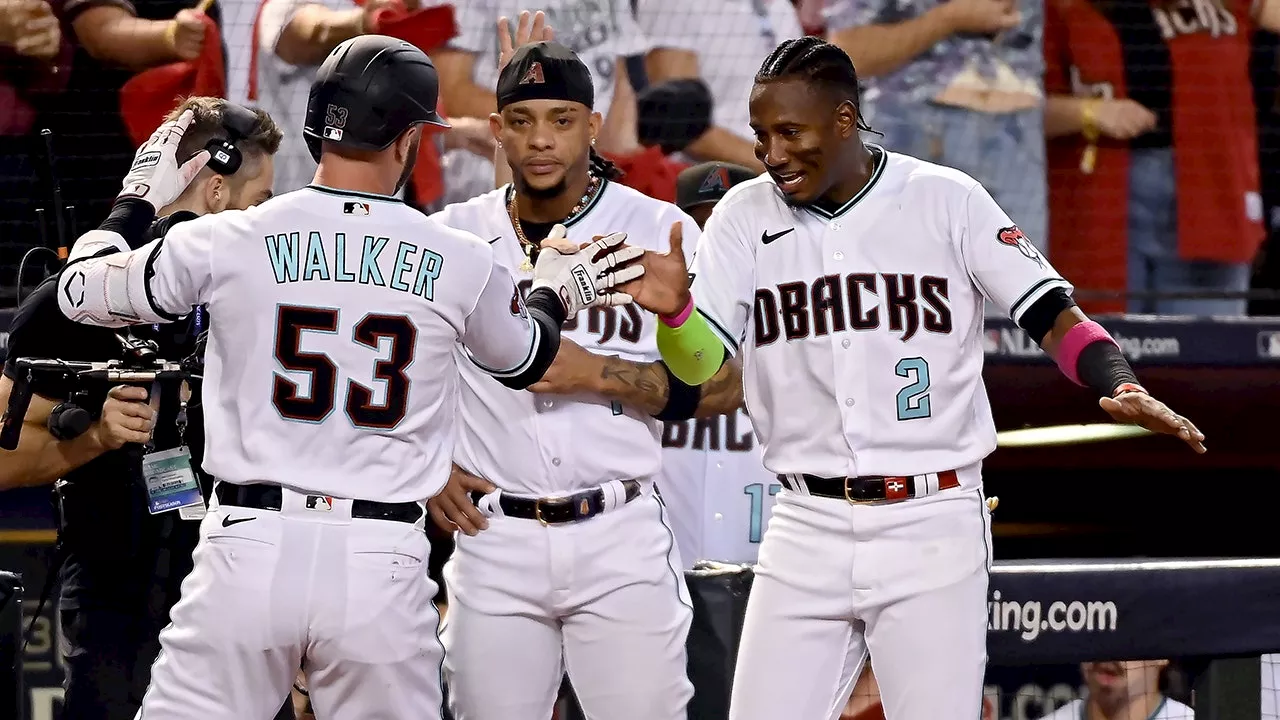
(756, 492)
(913, 400)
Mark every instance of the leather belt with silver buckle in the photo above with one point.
(561, 510)
(871, 489)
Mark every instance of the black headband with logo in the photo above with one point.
(545, 71)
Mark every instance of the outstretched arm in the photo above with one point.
(649, 387)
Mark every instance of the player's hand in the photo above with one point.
(1124, 118)
(472, 135)
(582, 276)
(529, 29)
(1137, 408)
(126, 418)
(980, 16)
(30, 28)
(185, 34)
(453, 509)
(574, 370)
(156, 175)
(664, 287)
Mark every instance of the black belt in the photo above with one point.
(868, 489)
(268, 497)
(560, 510)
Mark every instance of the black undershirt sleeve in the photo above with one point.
(1040, 317)
(547, 311)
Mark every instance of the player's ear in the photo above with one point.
(846, 119)
(404, 144)
(495, 127)
(595, 122)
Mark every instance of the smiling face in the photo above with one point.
(546, 142)
(801, 131)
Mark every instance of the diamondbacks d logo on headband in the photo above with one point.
(533, 75)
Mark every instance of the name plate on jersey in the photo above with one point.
(171, 483)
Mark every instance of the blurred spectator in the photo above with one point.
(602, 34)
(114, 39)
(956, 82)
(1123, 690)
(34, 59)
(294, 36)
(1128, 84)
(723, 42)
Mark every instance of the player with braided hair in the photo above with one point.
(852, 280)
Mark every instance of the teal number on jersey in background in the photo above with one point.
(756, 492)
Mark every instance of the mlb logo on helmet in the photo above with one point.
(332, 133)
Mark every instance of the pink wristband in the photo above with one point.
(1074, 342)
(675, 321)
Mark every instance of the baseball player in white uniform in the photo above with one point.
(566, 562)
(330, 391)
(602, 33)
(854, 278)
(717, 492)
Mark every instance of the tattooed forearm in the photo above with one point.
(642, 386)
(722, 393)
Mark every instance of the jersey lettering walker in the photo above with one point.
(602, 599)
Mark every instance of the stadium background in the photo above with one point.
(1124, 501)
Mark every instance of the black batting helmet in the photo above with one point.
(370, 89)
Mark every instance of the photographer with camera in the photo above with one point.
(123, 555)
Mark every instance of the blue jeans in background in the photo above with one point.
(1154, 264)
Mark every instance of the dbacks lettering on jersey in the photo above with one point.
(625, 322)
(831, 304)
(707, 433)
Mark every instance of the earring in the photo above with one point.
(593, 141)
(499, 143)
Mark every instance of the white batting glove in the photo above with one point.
(156, 175)
(580, 280)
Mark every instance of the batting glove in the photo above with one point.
(578, 278)
(156, 176)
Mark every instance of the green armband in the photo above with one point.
(692, 351)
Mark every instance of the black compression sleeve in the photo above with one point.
(131, 219)
(548, 312)
(1102, 367)
(682, 399)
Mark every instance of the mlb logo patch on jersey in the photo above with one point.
(355, 208)
(320, 503)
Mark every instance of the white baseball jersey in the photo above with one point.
(331, 365)
(600, 32)
(731, 39)
(540, 445)
(283, 90)
(861, 328)
(719, 496)
(1167, 710)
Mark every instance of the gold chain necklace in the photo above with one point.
(593, 186)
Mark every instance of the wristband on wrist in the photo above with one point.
(679, 318)
(1129, 387)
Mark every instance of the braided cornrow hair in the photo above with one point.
(600, 166)
(818, 61)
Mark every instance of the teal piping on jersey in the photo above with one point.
(694, 351)
(569, 221)
(877, 172)
(354, 193)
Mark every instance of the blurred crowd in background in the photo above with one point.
(1134, 140)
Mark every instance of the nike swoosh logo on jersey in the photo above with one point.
(495, 240)
(228, 522)
(766, 238)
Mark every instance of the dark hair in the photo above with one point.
(603, 167)
(263, 139)
(816, 61)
